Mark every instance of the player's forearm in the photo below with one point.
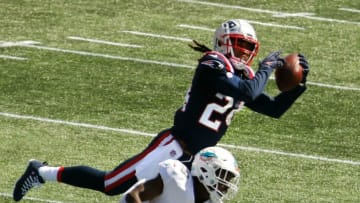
(256, 86)
(130, 199)
(276, 107)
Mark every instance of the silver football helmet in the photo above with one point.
(237, 39)
(217, 169)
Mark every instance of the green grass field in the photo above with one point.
(49, 91)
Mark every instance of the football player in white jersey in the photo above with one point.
(213, 178)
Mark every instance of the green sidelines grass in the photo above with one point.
(141, 96)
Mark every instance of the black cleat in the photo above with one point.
(28, 180)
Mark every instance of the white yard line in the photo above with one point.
(328, 85)
(329, 20)
(30, 44)
(196, 27)
(103, 42)
(276, 25)
(156, 35)
(230, 6)
(134, 132)
(84, 53)
(291, 154)
(85, 125)
(333, 86)
(250, 21)
(12, 57)
(18, 43)
(164, 63)
(350, 10)
(274, 13)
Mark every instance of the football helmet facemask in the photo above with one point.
(217, 169)
(237, 40)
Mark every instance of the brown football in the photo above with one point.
(290, 75)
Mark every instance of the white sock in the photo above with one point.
(49, 173)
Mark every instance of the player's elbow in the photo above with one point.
(251, 96)
(276, 114)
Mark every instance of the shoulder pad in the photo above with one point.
(174, 171)
(216, 60)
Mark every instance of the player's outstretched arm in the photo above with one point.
(277, 106)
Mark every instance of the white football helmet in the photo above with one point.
(217, 169)
(237, 39)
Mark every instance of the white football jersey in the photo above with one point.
(178, 183)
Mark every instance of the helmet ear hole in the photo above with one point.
(203, 169)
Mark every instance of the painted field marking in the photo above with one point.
(134, 132)
(333, 86)
(84, 53)
(104, 42)
(196, 27)
(250, 21)
(327, 85)
(32, 198)
(329, 20)
(18, 43)
(157, 35)
(276, 25)
(274, 13)
(47, 120)
(208, 29)
(164, 63)
(350, 10)
(230, 6)
(12, 57)
(291, 154)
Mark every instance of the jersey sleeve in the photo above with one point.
(216, 61)
(277, 106)
(217, 72)
(178, 185)
(174, 173)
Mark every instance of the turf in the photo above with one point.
(142, 96)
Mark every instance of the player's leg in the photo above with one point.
(38, 173)
(31, 178)
(144, 165)
(117, 181)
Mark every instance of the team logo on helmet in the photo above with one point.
(207, 156)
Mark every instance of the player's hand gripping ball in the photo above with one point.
(290, 74)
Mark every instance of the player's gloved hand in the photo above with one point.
(306, 67)
(273, 60)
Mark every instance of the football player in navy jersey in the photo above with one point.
(223, 83)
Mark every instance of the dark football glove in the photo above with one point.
(273, 60)
(306, 67)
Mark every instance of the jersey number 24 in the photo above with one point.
(214, 107)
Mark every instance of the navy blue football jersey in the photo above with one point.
(215, 95)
